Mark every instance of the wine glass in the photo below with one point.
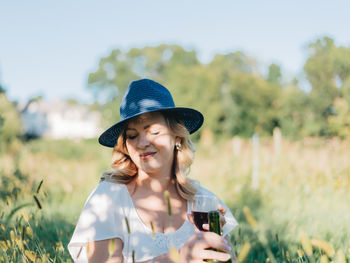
(201, 206)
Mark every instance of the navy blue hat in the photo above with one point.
(144, 96)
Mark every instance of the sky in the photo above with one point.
(48, 47)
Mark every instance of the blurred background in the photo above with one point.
(272, 79)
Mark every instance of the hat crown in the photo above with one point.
(143, 96)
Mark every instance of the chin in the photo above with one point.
(150, 168)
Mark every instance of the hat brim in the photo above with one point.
(191, 118)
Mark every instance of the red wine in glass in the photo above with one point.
(199, 219)
(201, 205)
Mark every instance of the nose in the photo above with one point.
(143, 141)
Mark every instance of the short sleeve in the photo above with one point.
(230, 221)
(101, 218)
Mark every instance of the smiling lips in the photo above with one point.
(147, 155)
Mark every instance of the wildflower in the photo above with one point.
(3, 245)
(305, 243)
(243, 254)
(30, 255)
(327, 248)
(19, 243)
(324, 259)
(340, 258)
(287, 256)
(250, 219)
(112, 246)
(127, 225)
(167, 197)
(12, 235)
(153, 232)
(25, 216)
(29, 231)
(174, 254)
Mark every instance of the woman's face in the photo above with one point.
(150, 143)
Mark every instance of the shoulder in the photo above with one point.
(106, 193)
(109, 188)
(102, 209)
(101, 218)
(203, 191)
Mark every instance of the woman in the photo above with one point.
(127, 218)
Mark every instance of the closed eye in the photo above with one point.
(131, 137)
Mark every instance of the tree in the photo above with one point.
(274, 74)
(229, 91)
(2, 89)
(110, 81)
(327, 69)
(247, 100)
(233, 95)
(10, 125)
(295, 113)
(339, 122)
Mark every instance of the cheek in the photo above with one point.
(165, 142)
(166, 146)
(131, 150)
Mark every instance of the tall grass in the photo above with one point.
(302, 196)
(302, 189)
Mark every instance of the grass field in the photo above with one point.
(299, 210)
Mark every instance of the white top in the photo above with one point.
(103, 217)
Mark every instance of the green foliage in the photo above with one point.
(274, 75)
(327, 70)
(296, 114)
(2, 89)
(339, 123)
(10, 125)
(235, 98)
(63, 148)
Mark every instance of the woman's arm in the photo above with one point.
(99, 251)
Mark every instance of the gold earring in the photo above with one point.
(178, 146)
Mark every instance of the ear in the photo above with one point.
(177, 140)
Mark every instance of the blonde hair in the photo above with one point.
(124, 169)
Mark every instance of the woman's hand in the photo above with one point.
(222, 212)
(197, 248)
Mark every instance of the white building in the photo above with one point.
(59, 119)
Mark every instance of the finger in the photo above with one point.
(215, 255)
(222, 220)
(205, 227)
(221, 209)
(213, 240)
(190, 218)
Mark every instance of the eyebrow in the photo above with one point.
(145, 127)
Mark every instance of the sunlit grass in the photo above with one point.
(304, 188)
(302, 195)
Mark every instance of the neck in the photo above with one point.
(156, 184)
